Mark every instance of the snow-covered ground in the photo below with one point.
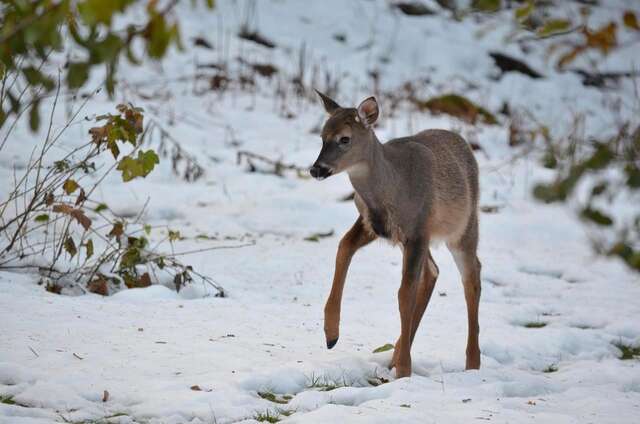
(550, 311)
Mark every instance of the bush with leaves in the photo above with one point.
(50, 222)
(30, 31)
(608, 171)
(574, 36)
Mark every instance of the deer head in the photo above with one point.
(347, 138)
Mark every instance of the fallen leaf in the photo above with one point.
(144, 280)
(630, 20)
(99, 286)
(317, 236)
(383, 348)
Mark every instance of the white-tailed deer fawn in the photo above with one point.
(412, 191)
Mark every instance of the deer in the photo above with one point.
(411, 191)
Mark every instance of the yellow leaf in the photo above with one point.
(570, 56)
(70, 186)
(630, 20)
(553, 26)
(603, 39)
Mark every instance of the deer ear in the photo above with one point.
(329, 105)
(368, 111)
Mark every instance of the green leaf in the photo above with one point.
(113, 148)
(70, 186)
(549, 192)
(596, 216)
(70, 246)
(147, 229)
(553, 26)
(486, 5)
(160, 262)
(77, 74)
(174, 235)
(107, 49)
(32, 75)
(110, 81)
(138, 167)
(600, 188)
(94, 12)
(524, 11)
(633, 176)
(131, 257)
(34, 116)
(383, 348)
(61, 165)
(600, 158)
(41, 218)
(101, 207)
(317, 236)
(89, 247)
(549, 160)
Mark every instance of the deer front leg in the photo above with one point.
(353, 240)
(414, 256)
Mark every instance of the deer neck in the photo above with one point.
(372, 178)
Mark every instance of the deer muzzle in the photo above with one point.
(320, 171)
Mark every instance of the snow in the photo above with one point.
(149, 347)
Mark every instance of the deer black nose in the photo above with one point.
(320, 171)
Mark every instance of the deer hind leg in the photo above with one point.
(413, 260)
(464, 254)
(353, 240)
(423, 295)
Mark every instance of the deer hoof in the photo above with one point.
(332, 343)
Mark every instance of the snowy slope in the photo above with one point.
(149, 347)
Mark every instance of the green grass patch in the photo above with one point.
(584, 327)
(535, 324)
(272, 397)
(267, 416)
(324, 383)
(286, 412)
(627, 351)
(550, 368)
(7, 400)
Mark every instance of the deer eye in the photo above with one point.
(344, 141)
